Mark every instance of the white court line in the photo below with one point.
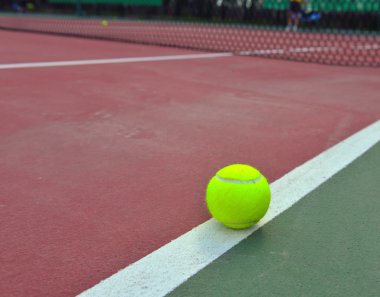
(366, 47)
(163, 270)
(306, 50)
(312, 49)
(114, 61)
(263, 52)
(180, 57)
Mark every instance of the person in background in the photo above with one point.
(294, 14)
(17, 6)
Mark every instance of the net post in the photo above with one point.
(78, 7)
(378, 17)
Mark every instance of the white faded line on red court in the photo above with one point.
(114, 61)
(162, 271)
(280, 51)
(182, 57)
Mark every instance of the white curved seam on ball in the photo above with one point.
(240, 182)
(243, 223)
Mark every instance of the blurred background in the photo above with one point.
(335, 14)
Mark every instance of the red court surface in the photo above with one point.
(102, 164)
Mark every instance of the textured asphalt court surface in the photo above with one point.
(325, 245)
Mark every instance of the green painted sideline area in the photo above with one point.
(325, 245)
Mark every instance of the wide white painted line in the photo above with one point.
(113, 61)
(163, 270)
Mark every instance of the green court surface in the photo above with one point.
(326, 245)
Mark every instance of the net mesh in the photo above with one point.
(338, 32)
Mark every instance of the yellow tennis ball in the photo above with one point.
(104, 23)
(238, 196)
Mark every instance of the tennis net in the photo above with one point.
(338, 32)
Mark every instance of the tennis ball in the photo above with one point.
(238, 196)
(104, 23)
